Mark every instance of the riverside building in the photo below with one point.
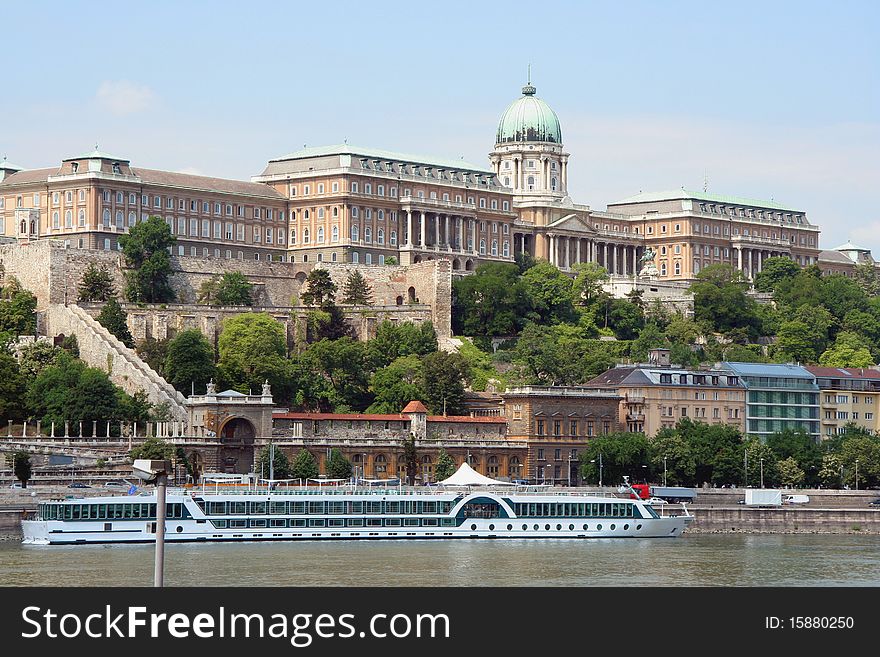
(847, 395)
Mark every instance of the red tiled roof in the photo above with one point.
(415, 407)
(844, 372)
(387, 418)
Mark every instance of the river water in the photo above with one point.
(692, 560)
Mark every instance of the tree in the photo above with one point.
(848, 350)
(587, 284)
(491, 302)
(774, 270)
(13, 388)
(397, 384)
(96, 284)
(37, 356)
(153, 448)
(115, 320)
(443, 382)
(623, 454)
(550, 293)
(338, 467)
(154, 352)
(321, 289)
(404, 339)
(189, 363)
(208, 291)
(799, 446)
(790, 474)
(252, 349)
(304, 466)
(721, 303)
(327, 323)
(20, 461)
(234, 289)
(797, 342)
(763, 465)
(445, 465)
(410, 457)
(625, 318)
(278, 467)
(145, 248)
(343, 366)
(865, 275)
(650, 337)
(17, 311)
(357, 290)
(390, 260)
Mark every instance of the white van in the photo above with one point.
(797, 499)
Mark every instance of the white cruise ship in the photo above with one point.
(350, 512)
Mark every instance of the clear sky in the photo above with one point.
(761, 99)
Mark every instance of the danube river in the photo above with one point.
(692, 560)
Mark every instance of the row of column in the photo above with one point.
(618, 259)
(172, 429)
(453, 229)
(750, 261)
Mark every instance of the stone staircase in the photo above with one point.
(101, 349)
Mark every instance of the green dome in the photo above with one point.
(528, 119)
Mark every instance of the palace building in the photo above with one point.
(363, 205)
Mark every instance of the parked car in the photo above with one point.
(118, 483)
(796, 499)
(78, 484)
(17, 484)
(875, 502)
(656, 500)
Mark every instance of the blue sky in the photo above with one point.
(762, 99)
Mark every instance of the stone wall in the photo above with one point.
(53, 272)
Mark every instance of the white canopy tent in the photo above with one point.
(467, 476)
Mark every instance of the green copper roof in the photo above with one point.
(849, 246)
(528, 119)
(374, 153)
(9, 166)
(649, 197)
(96, 155)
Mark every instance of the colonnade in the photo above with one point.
(619, 259)
(437, 230)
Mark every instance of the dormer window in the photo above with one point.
(116, 168)
(74, 167)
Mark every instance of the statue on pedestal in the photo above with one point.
(649, 269)
(267, 391)
(212, 388)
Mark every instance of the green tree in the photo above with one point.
(624, 317)
(321, 290)
(848, 350)
(327, 323)
(650, 337)
(357, 291)
(278, 467)
(20, 461)
(587, 283)
(410, 456)
(790, 474)
(304, 466)
(96, 284)
(234, 289)
(115, 320)
(343, 365)
(252, 349)
(623, 454)
(672, 451)
(774, 270)
(13, 388)
(154, 352)
(17, 311)
(491, 302)
(550, 292)
(443, 381)
(145, 248)
(865, 275)
(800, 446)
(763, 464)
(37, 356)
(338, 467)
(208, 291)
(721, 303)
(153, 448)
(797, 341)
(189, 363)
(445, 465)
(393, 341)
(397, 384)
(390, 260)
(831, 471)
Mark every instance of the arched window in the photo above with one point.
(132, 218)
(120, 220)
(505, 251)
(293, 235)
(368, 235)
(305, 235)
(333, 256)
(354, 212)
(677, 268)
(68, 218)
(354, 233)
(305, 214)
(55, 220)
(81, 218)
(320, 234)
(320, 213)
(334, 234)
(380, 236)
(394, 237)
(482, 247)
(494, 247)
(355, 257)
(530, 182)
(553, 184)
(380, 214)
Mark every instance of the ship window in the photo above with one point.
(316, 507)
(355, 522)
(237, 523)
(276, 508)
(336, 522)
(336, 507)
(278, 522)
(237, 507)
(216, 508)
(258, 508)
(298, 507)
(392, 522)
(316, 522)
(357, 507)
(258, 522)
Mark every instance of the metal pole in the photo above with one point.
(762, 473)
(664, 472)
(159, 570)
(746, 469)
(600, 469)
(857, 474)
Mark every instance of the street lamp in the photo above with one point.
(664, 471)
(156, 472)
(857, 474)
(762, 473)
(600, 468)
(547, 465)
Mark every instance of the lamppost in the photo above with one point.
(569, 471)
(547, 465)
(746, 468)
(857, 474)
(156, 472)
(762, 473)
(600, 468)
(664, 471)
